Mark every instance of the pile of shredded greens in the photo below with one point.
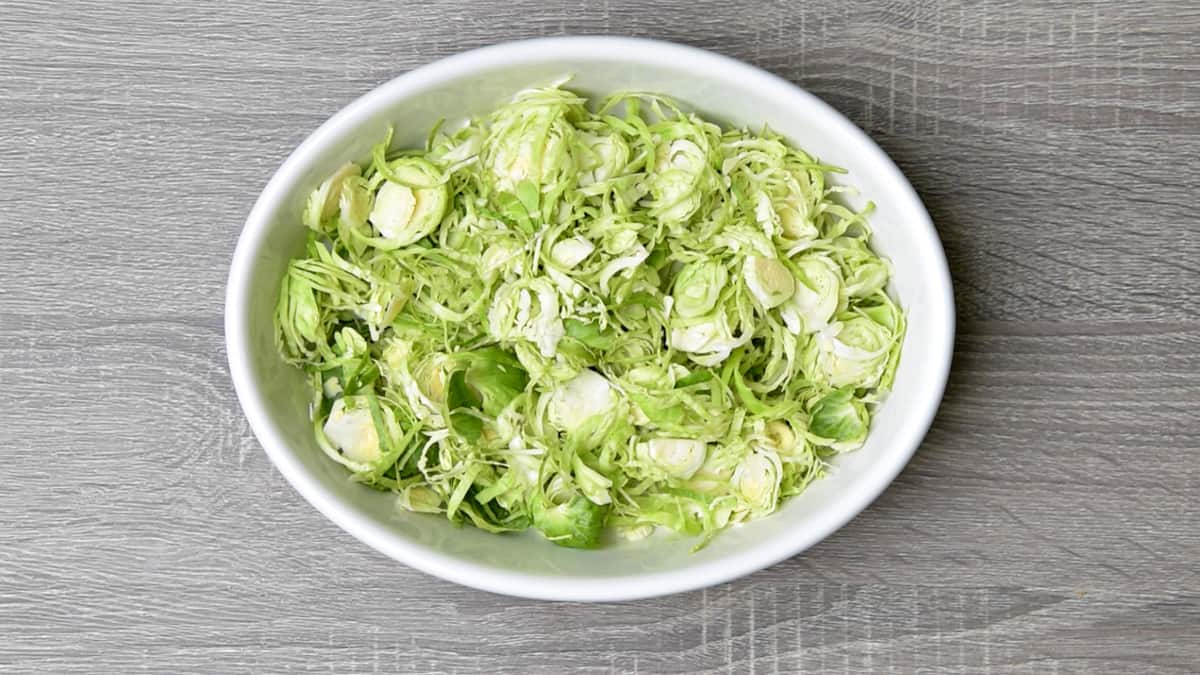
(587, 321)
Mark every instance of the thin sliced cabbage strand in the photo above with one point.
(582, 322)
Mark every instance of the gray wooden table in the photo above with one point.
(1048, 524)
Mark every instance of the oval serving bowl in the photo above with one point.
(274, 395)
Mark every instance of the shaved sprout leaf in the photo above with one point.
(577, 523)
(837, 418)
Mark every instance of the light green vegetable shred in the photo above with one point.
(588, 322)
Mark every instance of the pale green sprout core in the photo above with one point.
(585, 320)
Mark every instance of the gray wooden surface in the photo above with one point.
(1048, 524)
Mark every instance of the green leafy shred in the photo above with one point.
(586, 321)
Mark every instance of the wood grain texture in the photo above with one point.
(1048, 524)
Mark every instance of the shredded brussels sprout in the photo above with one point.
(587, 321)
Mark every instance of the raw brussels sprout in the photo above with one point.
(572, 318)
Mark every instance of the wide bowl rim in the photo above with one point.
(830, 517)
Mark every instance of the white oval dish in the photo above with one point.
(274, 395)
